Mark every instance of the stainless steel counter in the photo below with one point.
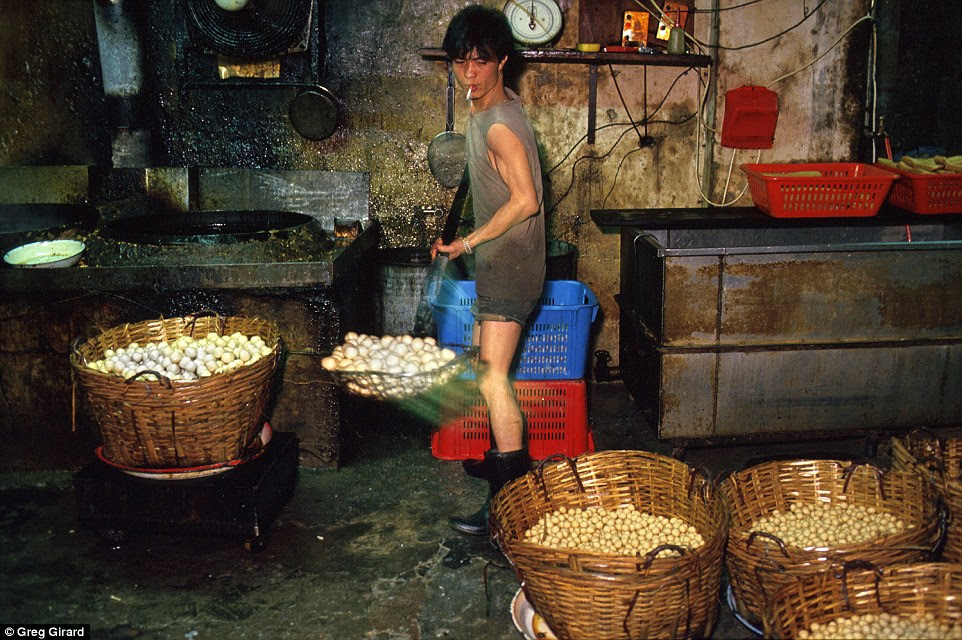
(738, 324)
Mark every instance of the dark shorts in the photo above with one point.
(500, 310)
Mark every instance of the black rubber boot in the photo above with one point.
(502, 468)
(479, 468)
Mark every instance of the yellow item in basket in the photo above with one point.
(951, 164)
(794, 174)
(925, 164)
(936, 165)
(910, 168)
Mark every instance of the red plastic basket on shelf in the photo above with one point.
(927, 193)
(556, 410)
(818, 190)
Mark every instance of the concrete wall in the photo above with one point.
(393, 100)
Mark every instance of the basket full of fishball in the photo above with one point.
(615, 544)
(178, 392)
(794, 518)
(939, 460)
(904, 601)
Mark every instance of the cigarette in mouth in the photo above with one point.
(469, 93)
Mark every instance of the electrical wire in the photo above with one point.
(607, 153)
(631, 118)
(628, 124)
(777, 35)
(720, 9)
(703, 45)
(823, 54)
(632, 125)
(614, 181)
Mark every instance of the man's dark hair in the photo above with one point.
(481, 29)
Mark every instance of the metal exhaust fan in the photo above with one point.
(252, 29)
(260, 35)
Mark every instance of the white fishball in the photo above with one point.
(417, 344)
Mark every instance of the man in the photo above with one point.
(508, 239)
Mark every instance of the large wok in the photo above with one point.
(208, 227)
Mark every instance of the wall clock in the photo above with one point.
(534, 22)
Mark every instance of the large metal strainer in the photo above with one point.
(447, 153)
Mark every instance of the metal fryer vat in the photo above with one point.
(793, 329)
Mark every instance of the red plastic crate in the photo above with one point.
(927, 193)
(557, 413)
(843, 189)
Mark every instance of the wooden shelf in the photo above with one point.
(571, 56)
(593, 60)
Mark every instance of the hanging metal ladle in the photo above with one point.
(447, 153)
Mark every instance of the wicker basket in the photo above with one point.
(169, 423)
(914, 590)
(940, 460)
(759, 565)
(583, 594)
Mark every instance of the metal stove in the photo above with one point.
(240, 502)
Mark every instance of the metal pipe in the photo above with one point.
(710, 98)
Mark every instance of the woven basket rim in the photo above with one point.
(79, 362)
(816, 596)
(594, 560)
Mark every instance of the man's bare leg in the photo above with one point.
(498, 342)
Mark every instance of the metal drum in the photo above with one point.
(402, 274)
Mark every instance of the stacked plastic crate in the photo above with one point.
(548, 373)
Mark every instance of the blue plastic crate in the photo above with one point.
(554, 345)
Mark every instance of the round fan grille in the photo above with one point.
(262, 28)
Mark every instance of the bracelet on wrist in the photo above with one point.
(466, 245)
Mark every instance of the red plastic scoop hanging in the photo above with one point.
(751, 114)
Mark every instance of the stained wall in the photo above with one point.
(52, 112)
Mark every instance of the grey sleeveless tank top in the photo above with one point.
(512, 266)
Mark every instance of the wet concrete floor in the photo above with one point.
(360, 552)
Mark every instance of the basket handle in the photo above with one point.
(557, 457)
(707, 487)
(75, 346)
(849, 471)
(770, 536)
(758, 577)
(200, 313)
(859, 564)
(688, 611)
(651, 555)
(164, 380)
